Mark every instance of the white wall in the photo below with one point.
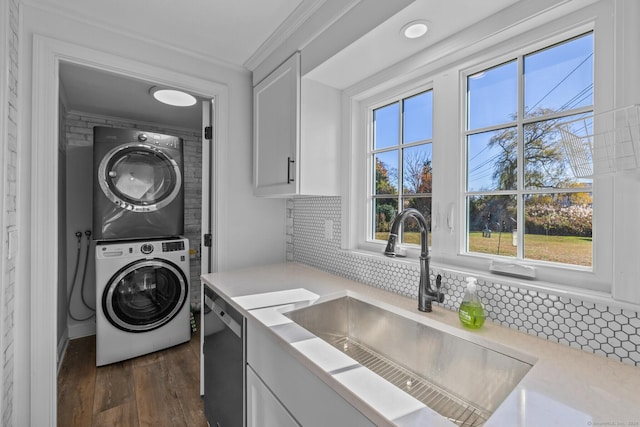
(78, 212)
(245, 214)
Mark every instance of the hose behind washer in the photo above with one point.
(75, 276)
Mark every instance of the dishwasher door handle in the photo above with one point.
(235, 327)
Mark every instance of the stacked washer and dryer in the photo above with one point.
(142, 260)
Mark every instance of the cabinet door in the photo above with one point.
(276, 125)
(263, 409)
(307, 398)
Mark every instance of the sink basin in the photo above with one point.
(461, 380)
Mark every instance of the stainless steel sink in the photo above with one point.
(461, 380)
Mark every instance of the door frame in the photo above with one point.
(47, 55)
(208, 263)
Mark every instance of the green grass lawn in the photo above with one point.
(563, 249)
(411, 237)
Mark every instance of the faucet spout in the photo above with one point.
(426, 294)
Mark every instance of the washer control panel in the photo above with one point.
(146, 248)
(178, 245)
(127, 249)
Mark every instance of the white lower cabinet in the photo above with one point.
(263, 409)
(307, 399)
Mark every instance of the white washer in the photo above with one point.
(142, 297)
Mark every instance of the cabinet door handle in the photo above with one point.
(289, 162)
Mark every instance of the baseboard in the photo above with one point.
(84, 329)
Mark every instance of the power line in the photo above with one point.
(561, 81)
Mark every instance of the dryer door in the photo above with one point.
(139, 177)
(145, 295)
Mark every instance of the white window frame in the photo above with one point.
(446, 77)
(359, 239)
(414, 91)
(519, 123)
(594, 278)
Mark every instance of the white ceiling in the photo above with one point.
(232, 33)
(385, 45)
(88, 90)
(227, 30)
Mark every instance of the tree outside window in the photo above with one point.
(401, 158)
(524, 197)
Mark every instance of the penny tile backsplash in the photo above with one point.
(595, 328)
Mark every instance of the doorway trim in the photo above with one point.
(47, 55)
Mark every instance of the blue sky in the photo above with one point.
(558, 78)
(417, 126)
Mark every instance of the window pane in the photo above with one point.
(559, 78)
(385, 211)
(492, 160)
(555, 158)
(558, 228)
(492, 96)
(386, 177)
(492, 225)
(417, 169)
(386, 126)
(417, 114)
(401, 165)
(411, 231)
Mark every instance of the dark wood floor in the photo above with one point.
(159, 389)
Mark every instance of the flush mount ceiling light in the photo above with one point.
(172, 97)
(415, 29)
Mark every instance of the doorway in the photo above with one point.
(93, 99)
(48, 55)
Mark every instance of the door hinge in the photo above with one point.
(208, 132)
(207, 240)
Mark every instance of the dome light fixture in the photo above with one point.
(415, 29)
(172, 97)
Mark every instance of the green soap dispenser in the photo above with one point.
(471, 312)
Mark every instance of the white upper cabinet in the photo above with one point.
(296, 129)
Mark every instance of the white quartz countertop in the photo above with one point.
(565, 387)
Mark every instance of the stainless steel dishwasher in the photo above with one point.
(224, 362)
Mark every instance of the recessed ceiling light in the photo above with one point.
(415, 29)
(172, 97)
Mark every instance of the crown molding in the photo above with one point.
(313, 13)
(298, 17)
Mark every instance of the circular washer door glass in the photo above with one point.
(139, 177)
(145, 295)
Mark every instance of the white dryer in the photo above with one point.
(142, 297)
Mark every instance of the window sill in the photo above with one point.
(374, 248)
(545, 286)
(482, 273)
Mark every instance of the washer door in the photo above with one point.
(139, 177)
(145, 295)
